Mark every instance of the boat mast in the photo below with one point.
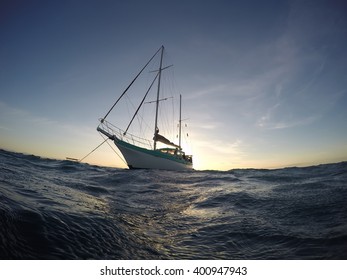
(157, 101)
(180, 124)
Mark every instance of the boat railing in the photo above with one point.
(128, 137)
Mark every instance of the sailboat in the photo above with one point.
(141, 153)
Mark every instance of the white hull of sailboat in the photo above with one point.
(148, 159)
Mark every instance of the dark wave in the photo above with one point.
(58, 209)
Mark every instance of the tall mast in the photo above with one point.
(180, 124)
(157, 101)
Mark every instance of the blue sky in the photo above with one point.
(265, 81)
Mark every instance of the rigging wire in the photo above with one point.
(113, 149)
(93, 150)
(141, 103)
(132, 82)
(105, 139)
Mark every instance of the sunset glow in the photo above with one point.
(264, 83)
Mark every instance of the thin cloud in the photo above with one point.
(4, 128)
(199, 93)
(16, 118)
(267, 124)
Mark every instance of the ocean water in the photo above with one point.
(51, 209)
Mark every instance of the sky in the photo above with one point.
(265, 81)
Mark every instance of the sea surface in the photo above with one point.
(51, 209)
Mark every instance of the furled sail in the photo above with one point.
(162, 139)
